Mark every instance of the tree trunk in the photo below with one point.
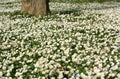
(35, 7)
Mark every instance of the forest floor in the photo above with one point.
(77, 41)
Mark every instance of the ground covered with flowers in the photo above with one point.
(78, 41)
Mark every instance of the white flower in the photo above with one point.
(45, 71)
(29, 61)
(100, 65)
(96, 70)
(52, 78)
(115, 67)
(18, 74)
(18, 58)
(64, 78)
(1, 73)
(88, 77)
(74, 57)
(4, 68)
(43, 77)
(77, 34)
(102, 78)
(83, 76)
(50, 66)
(60, 75)
(63, 48)
(66, 72)
(88, 63)
(118, 75)
(64, 58)
(13, 59)
(113, 74)
(66, 52)
(37, 64)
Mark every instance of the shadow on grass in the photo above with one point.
(19, 14)
(94, 8)
(15, 14)
(69, 11)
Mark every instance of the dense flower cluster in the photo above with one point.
(80, 44)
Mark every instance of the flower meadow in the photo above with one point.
(77, 41)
